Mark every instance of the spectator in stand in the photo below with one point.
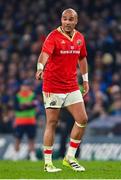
(99, 106)
(115, 96)
(25, 119)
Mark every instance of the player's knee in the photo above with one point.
(84, 120)
(52, 123)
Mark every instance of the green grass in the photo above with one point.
(34, 170)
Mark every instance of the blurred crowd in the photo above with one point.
(23, 27)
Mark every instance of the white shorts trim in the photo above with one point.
(57, 100)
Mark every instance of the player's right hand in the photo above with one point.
(39, 75)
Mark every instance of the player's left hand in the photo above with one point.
(85, 87)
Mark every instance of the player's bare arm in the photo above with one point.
(40, 65)
(84, 71)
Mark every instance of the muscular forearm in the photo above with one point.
(84, 71)
(83, 66)
(43, 58)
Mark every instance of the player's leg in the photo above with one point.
(49, 135)
(53, 102)
(52, 116)
(77, 109)
(80, 116)
(31, 133)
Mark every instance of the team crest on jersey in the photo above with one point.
(62, 42)
(79, 41)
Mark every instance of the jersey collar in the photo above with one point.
(70, 38)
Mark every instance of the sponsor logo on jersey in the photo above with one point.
(69, 52)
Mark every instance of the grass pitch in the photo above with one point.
(34, 170)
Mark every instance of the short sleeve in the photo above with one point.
(83, 52)
(49, 44)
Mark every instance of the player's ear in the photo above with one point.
(76, 20)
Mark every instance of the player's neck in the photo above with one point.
(70, 34)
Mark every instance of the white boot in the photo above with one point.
(51, 168)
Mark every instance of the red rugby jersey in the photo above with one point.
(60, 73)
